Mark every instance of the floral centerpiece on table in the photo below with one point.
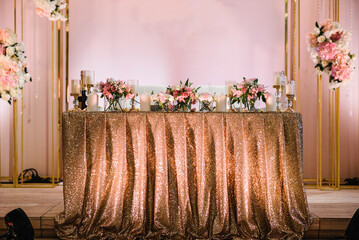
(13, 66)
(114, 91)
(206, 100)
(183, 96)
(164, 101)
(51, 9)
(328, 45)
(248, 92)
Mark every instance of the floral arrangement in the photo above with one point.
(13, 71)
(183, 96)
(248, 92)
(328, 45)
(51, 9)
(164, 101)
(206, 100)
(114, 91)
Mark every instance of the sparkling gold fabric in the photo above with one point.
(183, 176)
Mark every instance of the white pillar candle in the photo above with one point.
(276, 80)
(145, 102)
(271, 103)
(92, 102)
(75, 87)
(221, 103)
(290, 88)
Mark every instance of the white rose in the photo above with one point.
(328, 34)
(10, 51)
(336, 25)
(321, 39)
(27, 77)
(324, 63)
(5, 96)
(316, 31)
(171, 98)
(13, 92)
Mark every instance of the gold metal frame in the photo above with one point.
(333, 181)
(56, 36)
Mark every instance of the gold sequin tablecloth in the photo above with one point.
(183, 176)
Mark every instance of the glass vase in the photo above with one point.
(114, 105)
(183, 107)
(206, 106)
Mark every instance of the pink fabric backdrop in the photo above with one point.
(161, 42)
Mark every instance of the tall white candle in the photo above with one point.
(271, 103)
(92, 102)
(90, 77)
(75, 87)
(276, 80)
(145, 102)
(221, 103)
(290, 88)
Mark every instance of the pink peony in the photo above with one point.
(341, 72)
(327, 51)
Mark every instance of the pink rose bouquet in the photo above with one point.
(328, 45)
(164, 101)
(114, 91)
(248, 92)
(13, 66)
(183, 96)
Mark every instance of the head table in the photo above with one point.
(182, 176)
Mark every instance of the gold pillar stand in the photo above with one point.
(333, 180)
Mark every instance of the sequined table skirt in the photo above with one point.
(182, 176)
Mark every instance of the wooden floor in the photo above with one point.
(331, 210)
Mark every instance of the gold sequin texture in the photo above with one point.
(183, 176)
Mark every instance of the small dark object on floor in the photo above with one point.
(19, 226)
(352, 181)
(352, 232)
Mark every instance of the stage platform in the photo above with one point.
(331, 210)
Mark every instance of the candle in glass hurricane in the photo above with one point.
(134, 88)
(271, 103)
(221, 103)
(276, 78)
(92, 102)
(145, 102)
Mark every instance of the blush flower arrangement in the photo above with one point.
(114, 91)
(163, 101)
(51, 9)
(184, 95)
(328, 45)
(248, 92)
(13, 66)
